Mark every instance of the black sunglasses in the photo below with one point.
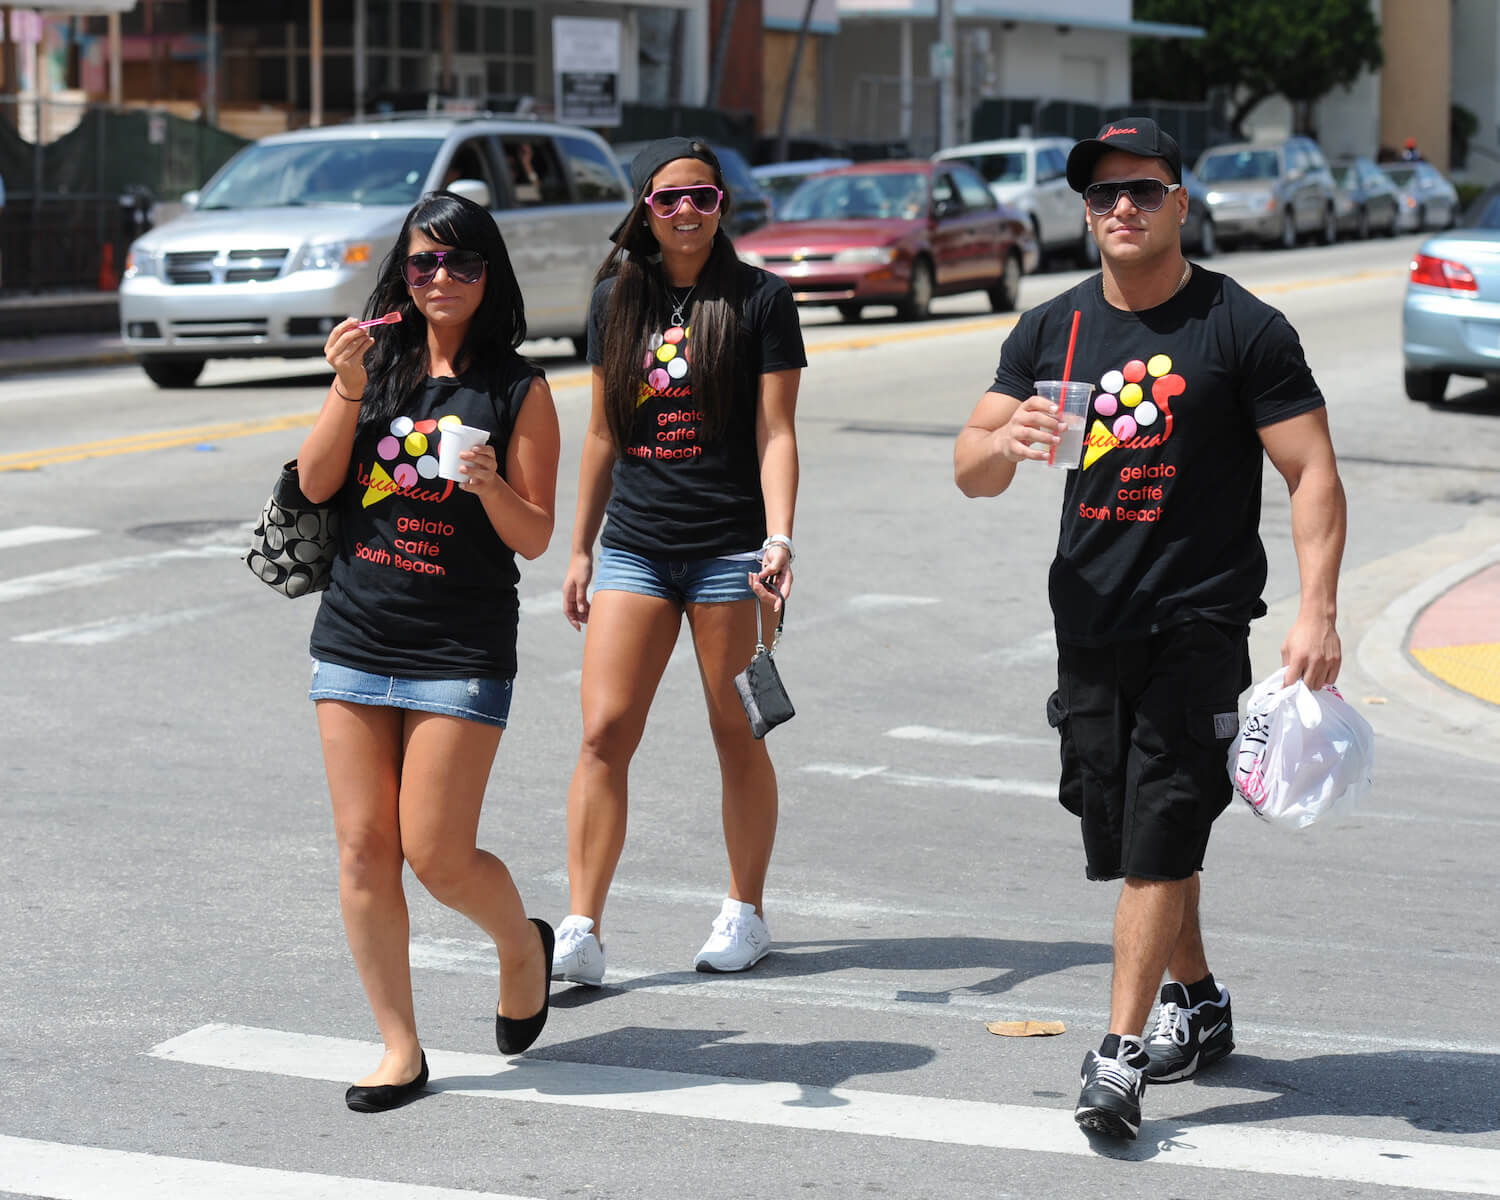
(1148, 195)
(463, 266)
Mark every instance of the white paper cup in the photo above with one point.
(455, 440)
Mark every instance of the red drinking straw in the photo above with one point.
(1067, 374)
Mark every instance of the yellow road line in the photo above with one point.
(30, 460)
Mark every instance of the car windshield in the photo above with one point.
(1402, 176)
(1000, 168)
(858, 197)
(363, 171)
(1241, 165)
(1344, 175)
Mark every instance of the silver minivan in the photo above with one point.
(287, 237)
(1270, 192)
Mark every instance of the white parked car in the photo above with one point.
(287, 238)
(1031, 174)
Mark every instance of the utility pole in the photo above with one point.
(943, 56)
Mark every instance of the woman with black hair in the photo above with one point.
(691, 454)
(414, 645)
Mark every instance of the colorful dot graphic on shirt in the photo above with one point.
(1148, 422)
(406, 437)
(667, 360)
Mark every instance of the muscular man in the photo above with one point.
(1159, 571)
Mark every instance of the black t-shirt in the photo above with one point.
(1161, 521)
(678, 493)
(423, 586)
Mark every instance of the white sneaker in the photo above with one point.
(578, 956)
(740, 940)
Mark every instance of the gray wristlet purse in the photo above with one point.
(759, 685)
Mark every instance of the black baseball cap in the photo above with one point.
(1133, 135)
(648, 160)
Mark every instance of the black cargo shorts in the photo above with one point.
(1145, 727)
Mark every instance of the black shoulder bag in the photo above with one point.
(295, 540)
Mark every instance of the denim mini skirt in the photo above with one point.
(485, 699)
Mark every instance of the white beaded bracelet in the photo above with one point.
(780, 539)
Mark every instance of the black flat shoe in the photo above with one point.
(514, 1036)
(386, 1096)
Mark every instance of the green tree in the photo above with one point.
(1300, 49)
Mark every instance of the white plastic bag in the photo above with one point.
(1301, 756)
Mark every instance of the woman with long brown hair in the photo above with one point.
(690, 464)
(414, 644)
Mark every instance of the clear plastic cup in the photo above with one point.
(1072, 400)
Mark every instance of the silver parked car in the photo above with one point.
(1428, 200)
(1271, 192)
(1031, 174)
(1450, 322)
(287, 237)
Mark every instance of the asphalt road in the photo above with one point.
(179, 1014)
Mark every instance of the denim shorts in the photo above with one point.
(485, 699)
(687, 581)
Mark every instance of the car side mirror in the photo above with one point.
(190, 199)
(942, 209)
(471, 189)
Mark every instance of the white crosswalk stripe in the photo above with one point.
(31, 535)
(62, 1172)
(1375, 1162)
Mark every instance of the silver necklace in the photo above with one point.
(678, 306)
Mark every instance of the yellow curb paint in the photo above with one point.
(1473, 669)
(31, 460)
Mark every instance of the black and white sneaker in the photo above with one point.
(1114, 1080)
(1187, 1039)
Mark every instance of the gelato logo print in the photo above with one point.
(1125, 417)
(666, 366)
(410, 450)
(672, 433)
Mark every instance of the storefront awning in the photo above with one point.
(75, 7)
(999, 10)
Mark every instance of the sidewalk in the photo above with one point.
(1457, 637)
(60, 331)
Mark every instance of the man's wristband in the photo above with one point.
(352, 399)
(780, 539)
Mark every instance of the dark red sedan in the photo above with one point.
(898, 232)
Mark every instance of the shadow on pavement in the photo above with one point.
(667, 1059)
(1014, 962)
(1444, 1092)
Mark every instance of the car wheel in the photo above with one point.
(1426, 387)
(1208, 239)
(851, 312)
(1330, 232)
(1005, 294)
(173, 372)
(1288, 237)
(1421, 218)
(918, 301)
(1364, 223)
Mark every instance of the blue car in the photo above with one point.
(1450, 323)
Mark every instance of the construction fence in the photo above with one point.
(73, 204)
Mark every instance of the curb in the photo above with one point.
(31, 366)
